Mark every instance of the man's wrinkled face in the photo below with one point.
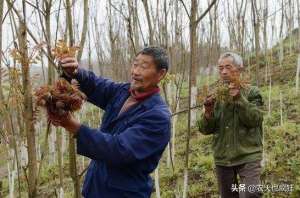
(144, 74)
(227, 70)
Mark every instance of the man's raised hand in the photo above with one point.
(69, 65)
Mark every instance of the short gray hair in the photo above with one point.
(236, 59)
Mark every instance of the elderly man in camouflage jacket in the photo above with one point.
(237, 132)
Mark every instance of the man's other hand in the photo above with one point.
(234, 91)
(66, 121)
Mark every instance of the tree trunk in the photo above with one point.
(193, 58)
(72, 146)
(114, 59)
(90, 53)
(48, 5)
(84, 28)
(135, 24)
(269, 96)
(194, 21)
(193, 44)
(11, 179)
(1, 16)
(165, 32)
(256, 26)
(298, 11)
(281, 108)
(131, 22)
(96, 37)
(297, 74)
(156, 176)
(174, 121)
(28, 107)
(47, 10)
(59, 160)
(265, 14)
(150, 30)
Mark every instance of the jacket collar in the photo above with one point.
(142, 96)
(152, 100)
(148, 103)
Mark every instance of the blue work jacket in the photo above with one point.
(127, 147)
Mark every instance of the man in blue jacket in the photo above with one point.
(134, 132)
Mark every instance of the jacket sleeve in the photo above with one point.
(149, 134)
(249, 110)
(98, 90)
(206, 126)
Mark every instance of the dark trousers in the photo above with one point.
(249, 174)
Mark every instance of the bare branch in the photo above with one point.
(36, 7)
(118, 10)
(185, 110)
(11, 6)
(41, 22)
(206, 11)
(8, 10)
(185, 8)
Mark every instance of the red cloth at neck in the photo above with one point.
(142, 96)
